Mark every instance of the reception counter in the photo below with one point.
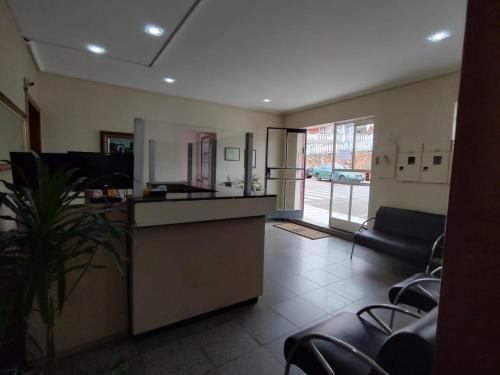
(192, 253)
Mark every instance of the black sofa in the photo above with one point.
(406, 234)
(352, 345)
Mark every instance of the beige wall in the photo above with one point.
(16, 62)
(418, 112)
(74, 111)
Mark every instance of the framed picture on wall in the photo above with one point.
(254, 159)
(231, 153)
(116, 142)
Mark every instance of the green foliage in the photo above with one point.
(54, 237)
(256, 184)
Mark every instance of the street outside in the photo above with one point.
(317, 200)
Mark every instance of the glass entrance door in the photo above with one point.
(285, 170)
(351, 174)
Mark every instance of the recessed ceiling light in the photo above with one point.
(266, 100)
(169, 79)
(440, 35)
(96, 49)
(153, 30)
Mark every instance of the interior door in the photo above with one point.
(351, 174)
(34, 126)
(285, 170)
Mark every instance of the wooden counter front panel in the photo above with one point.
(184, 270)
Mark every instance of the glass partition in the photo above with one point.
(202, 157)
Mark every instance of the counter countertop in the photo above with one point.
(198, 196)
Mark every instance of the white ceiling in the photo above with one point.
(237, 52)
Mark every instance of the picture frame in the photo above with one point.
(231, 153)
(116, 142)
(254, 159)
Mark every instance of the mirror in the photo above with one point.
(12, 130)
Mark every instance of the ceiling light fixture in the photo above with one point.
(266, 100)
(437, 37)
(96, 49)
(154, 30)
(169, 80)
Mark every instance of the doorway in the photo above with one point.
(34, 126)
(351, 177)
(319, 159)
(338, 170)
(285, 170)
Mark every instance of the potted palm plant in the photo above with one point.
(54, 237)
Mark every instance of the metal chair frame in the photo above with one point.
(362, 226)
(417, 283)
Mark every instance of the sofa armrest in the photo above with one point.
(362, 226)
(436, 271)
(435, 245)
(387, 328)
(307, 339)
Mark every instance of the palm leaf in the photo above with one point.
(51, 237)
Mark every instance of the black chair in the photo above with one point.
(349, 344)
(405, 234)
(422, 289)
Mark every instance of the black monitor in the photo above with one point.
(115, 170)
(25, 171)
(103, 170)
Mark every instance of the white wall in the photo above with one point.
(15, 64)
(418, 112)
(74, 111)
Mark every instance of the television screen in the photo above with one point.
(25, 172)
(113, 170)
(104, 170)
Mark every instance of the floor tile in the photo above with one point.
(276, 346)
(299, 285)
(226, 342)
(320, 277)
(103, 357)
(326, 300)
(257, 362)
(266, 326)
(299, 311)
(274, 293)
(184, 357)
(349, 290)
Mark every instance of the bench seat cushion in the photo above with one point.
(407, 248)
(344, 326)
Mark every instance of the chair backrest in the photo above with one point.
(410, 350)
(416, 224)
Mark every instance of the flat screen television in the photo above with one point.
(104, 170)
(115, 170)
(25, 171)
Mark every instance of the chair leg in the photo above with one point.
(352, 250)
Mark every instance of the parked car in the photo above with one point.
(324, 172)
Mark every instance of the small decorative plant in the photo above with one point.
(256, 184)
(228, 181)
(54, 238)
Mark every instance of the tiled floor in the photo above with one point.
(305, 282)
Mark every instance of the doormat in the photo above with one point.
(302, 231)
